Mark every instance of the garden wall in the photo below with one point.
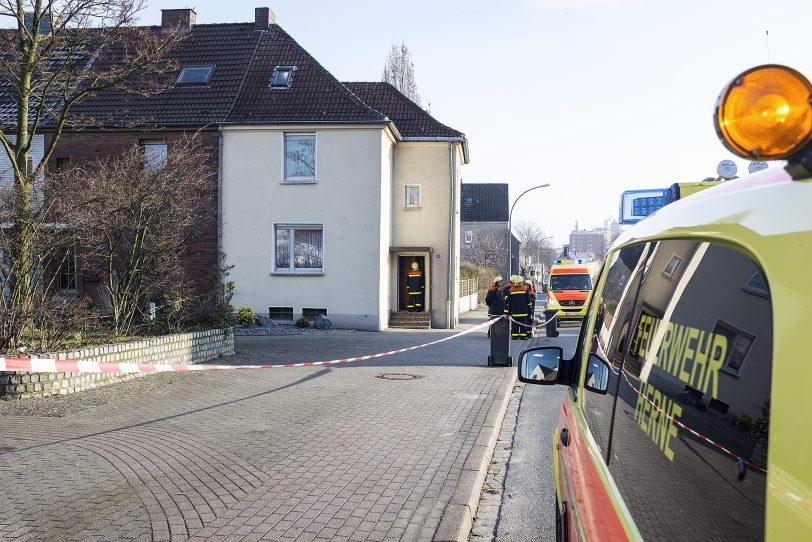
(183, 348)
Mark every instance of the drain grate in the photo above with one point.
(398, 376)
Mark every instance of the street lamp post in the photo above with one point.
(510, 225)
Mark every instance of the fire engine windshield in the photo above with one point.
(570, 282)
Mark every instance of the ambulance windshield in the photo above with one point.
(570, 282)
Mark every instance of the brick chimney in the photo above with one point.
(182, 19)
(263, 18)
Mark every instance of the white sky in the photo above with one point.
(592, 96)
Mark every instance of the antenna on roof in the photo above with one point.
(768, 46)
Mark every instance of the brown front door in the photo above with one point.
(404, 265)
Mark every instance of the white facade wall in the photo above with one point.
(430, 165)
(353, 176)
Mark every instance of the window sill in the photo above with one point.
(411, 208)
(297, 273)
(299, 181)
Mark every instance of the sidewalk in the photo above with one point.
(387, 449)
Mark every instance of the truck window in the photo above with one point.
(607, 339)
(689, 439)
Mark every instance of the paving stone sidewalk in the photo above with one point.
(364, 451)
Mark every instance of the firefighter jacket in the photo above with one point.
(495, 300)
(531, 294)
(517, 301)
(414, 282)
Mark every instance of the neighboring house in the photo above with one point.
(326, 192)
(484, 225)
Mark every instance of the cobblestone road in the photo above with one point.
(350, 452)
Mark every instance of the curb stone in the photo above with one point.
(458, 516)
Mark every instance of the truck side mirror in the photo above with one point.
(541, 365)
(597, 375)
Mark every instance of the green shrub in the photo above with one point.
(744, 422)
(302, 322)
(468, 271)
(246, 317)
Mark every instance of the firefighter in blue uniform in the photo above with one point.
(517, 306)
(415, 286)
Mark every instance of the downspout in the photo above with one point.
(220, 254)
(449, 309)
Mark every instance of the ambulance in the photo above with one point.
(687, 400)
(568, 287)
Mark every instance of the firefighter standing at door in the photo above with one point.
(416, 286)
(517, 306)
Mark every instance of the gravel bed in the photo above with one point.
(275, 330)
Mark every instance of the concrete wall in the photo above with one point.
(427, 164)
(352, 180)
(183, 349)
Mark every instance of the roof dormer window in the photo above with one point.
(282, 77)
(196, 75)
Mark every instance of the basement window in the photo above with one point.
(282, 77)
(280, 314)
(311, 313)
(195, 75)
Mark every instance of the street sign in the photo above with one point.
(636, 205)
(756, 166)
(727, 169)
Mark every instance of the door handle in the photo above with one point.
(564, 436)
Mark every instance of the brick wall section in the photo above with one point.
(183, 348)
(88, 145)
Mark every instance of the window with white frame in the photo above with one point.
(738, 345)
(412, 200)
(155, 153)
(298, 249)
(300, 157)
(469, 237)
(69, 276)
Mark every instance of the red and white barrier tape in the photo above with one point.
(694, 433)
(39, 365)
(532, 326)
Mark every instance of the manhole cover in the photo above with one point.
(398, 376)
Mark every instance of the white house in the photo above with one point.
(330, 190)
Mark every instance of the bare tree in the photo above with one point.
(487, 249)
(136, 220)
(399, 72)
(61, 52)
(536, 245)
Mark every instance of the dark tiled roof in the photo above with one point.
(228, 46)
(244, 59)
(410, 119)
(484, 202)
(314, 96)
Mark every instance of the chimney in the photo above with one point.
(180, 19)
(263, 18)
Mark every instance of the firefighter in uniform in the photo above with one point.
(517, 306)
(531, 292)
(415, 286)
(495, 300)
